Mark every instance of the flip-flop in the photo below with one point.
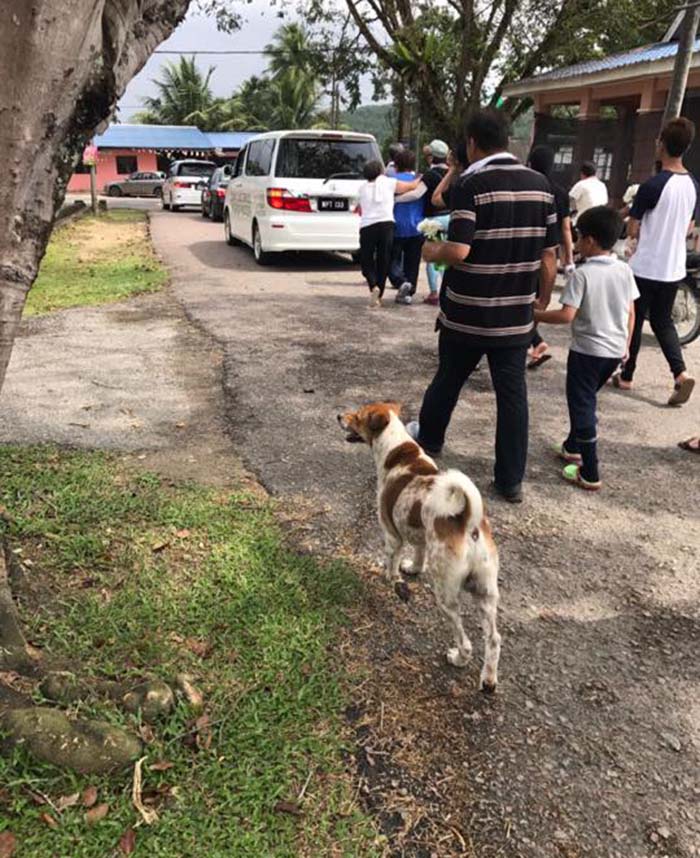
(561, 451)
(572, 474)
(681, 391)
(537, 362)
(688, 445)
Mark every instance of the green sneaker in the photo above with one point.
(572, 474)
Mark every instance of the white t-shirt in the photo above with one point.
(377, 201)
(588, 193)
(665, 204)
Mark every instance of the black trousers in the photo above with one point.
(405, 264)
(375, 253)
(655, 298)
(507, 367)
(585, 375)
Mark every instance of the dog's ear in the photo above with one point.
(396, 407)
(378, 421)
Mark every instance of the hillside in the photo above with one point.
(370, 119)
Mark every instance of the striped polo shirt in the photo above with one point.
(506, 213)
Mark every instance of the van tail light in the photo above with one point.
(282, 200)
(220, 192)
(181, 184)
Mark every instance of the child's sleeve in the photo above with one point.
(633, 290)
(572, 296)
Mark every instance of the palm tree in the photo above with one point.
(295, 87)
(184, 96)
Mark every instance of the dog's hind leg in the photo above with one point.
(415, 566)
(392, 567)
(485, 593)
(447, 587)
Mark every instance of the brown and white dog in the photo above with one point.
(441, 515)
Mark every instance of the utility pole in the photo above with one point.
(681, 66)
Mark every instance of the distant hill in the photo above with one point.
(370, 119)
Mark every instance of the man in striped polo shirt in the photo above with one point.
(501, 251)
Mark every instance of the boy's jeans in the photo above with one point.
(585, 375)
(435, 276)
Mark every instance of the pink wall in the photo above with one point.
(107, 168)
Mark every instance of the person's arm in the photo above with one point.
(632, 227)
(548, 274)
(446, 252)
(438, 198)
(419, 191)
(567, 241)
(645, 199)
(630, 328)
(404, 187)
(563, 316)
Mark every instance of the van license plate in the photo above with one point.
(332, 204)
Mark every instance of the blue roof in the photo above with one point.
(645, 54)
(230, 139)
(153, 137)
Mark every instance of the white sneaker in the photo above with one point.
(405, 293)
(413, 429)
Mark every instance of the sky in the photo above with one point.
(199, 33)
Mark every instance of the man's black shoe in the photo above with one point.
(514, 494)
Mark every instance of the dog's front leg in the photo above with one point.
(415, 566)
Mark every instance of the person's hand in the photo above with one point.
(538, 315)
(569, 269)
(540, 305)
(431, 251)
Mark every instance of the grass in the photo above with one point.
(134, 569)
(96, 260)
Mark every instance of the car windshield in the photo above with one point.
(318, 158)
(196, 168)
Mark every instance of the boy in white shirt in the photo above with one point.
(598, 301)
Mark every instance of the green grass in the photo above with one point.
(96, 260)
(117, 608)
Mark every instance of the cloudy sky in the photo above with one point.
(199, 33)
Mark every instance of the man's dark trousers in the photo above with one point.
(507, 366)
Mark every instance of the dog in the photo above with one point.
(441, 516)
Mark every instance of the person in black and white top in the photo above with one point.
(503, 231)
(661, 217)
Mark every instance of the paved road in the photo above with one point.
(601, 594)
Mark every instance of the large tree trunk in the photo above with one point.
(63, 67)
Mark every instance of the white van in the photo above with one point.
(185, 183)
(297, 190)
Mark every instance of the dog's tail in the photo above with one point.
(455, 496)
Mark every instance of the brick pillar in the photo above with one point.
(646, 131)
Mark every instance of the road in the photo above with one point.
(594, 741)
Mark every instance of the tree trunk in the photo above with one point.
(63, 66)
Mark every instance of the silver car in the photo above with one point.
(137, 185)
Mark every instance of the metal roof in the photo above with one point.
(153, 137)
(229, 139)
(644, 54)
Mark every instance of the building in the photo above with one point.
(609, 111)
(126, 149)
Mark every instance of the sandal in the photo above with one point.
(572, 474)
(538, 361)
(692, 445)
(681, 391)
(561, 451)
(619, 382)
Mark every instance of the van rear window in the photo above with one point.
(314, 158)
(196, 168)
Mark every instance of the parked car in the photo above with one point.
(297, 190)
(185, 182)
(137, 185)
(214, 193)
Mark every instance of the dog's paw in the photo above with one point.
(402, 590)
(457, 658)
(487, 687)
(408, 567)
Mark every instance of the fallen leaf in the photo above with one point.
(8, 844)
(182, 534)
(127, 842)
(288, 807)
(147, 733)
(179, 425)
(95, 814)
(159, 546)
(203, 734)
(67, 801)
(198, 647)
(49, 820)
(89, 796)
(161, 766)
